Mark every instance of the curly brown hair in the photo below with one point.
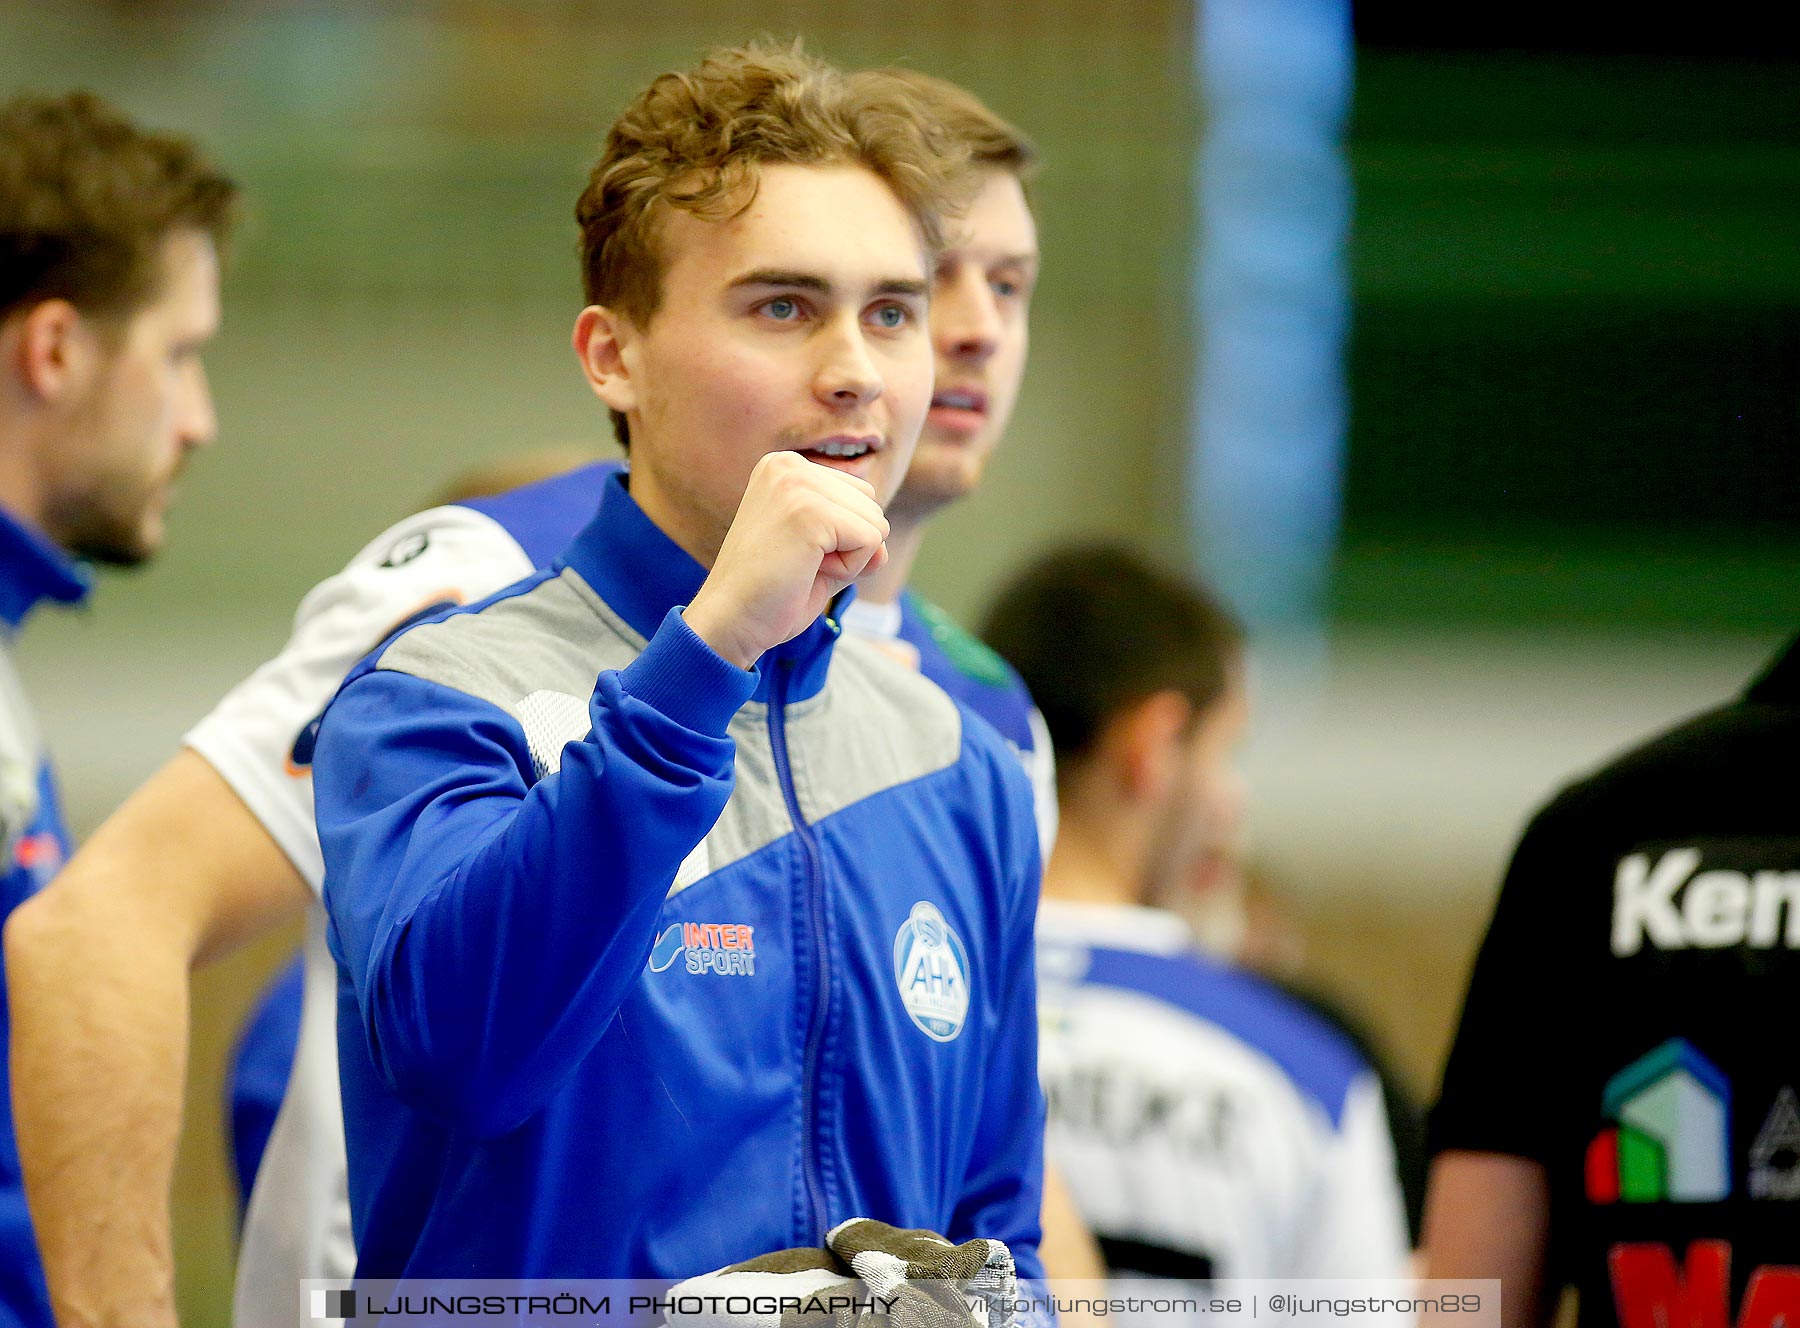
(993, 143)
(87, 200)
(694, 140)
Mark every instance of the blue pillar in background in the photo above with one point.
(1272, 307)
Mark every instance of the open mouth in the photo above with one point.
(961, 398)
(842, 448)
(958, 414)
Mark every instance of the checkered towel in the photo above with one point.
(972, 1283)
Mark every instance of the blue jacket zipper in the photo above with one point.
(814, 1230)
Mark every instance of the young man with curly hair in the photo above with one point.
(672, 928)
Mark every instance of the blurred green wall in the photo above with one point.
(1575, 368)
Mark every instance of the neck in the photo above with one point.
(1091, 864)
(693, 534)
(905, 539)
(21, 486)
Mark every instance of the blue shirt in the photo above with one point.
(35, 843)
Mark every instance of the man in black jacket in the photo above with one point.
(1619, 1112)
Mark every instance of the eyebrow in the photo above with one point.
(811, 281)
(1026, 258)
(906, 286)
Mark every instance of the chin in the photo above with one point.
(956, 448)
(116, 555)
(119, 546)
(934, 482)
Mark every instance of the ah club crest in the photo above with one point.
(932, 970)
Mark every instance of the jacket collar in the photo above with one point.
(641, 574)
(33, 569)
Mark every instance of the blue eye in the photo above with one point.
(892, 317)
(782, 308)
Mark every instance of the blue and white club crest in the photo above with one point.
(932, 970)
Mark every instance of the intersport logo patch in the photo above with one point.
(725, 949)
(1670, 903)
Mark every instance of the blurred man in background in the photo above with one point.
(109, 288)
(1207, 1124)
(981, 329)
(1619, 1111)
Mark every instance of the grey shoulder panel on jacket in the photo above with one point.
(535, 655)
(877, 724)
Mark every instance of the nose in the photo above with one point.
(200, 421)
(965, 318)
(847, 374)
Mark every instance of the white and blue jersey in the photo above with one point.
(648, 964)
(1207, 1124)
(33, 845)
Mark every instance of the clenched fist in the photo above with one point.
(801, 534)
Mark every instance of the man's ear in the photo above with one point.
(52, 350)
(1146, 743)
(603, 343)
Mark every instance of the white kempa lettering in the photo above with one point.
(1775, 890)
(1644, 901)
(1716, 908)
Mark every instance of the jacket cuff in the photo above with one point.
(680, 676)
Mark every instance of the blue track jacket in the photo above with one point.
(648, 964)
